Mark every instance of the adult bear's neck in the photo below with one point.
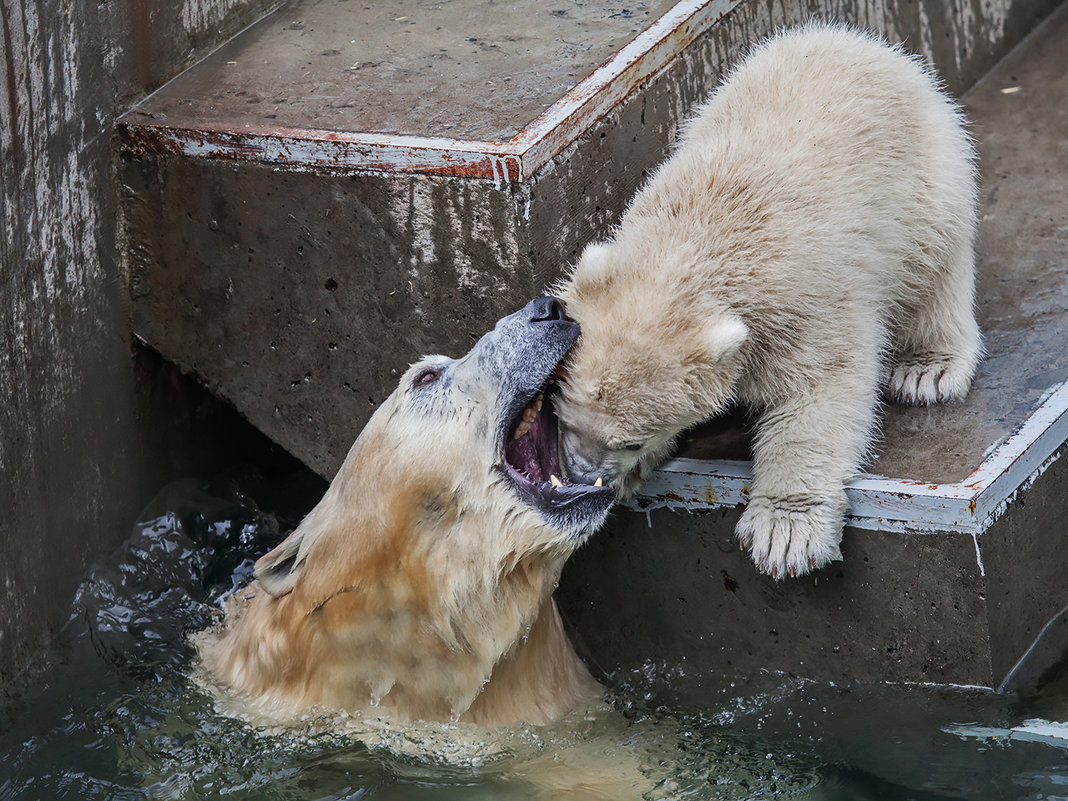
(539, 681)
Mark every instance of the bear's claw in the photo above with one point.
(920, 379)
(791, 535)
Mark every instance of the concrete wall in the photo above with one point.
(943, 608)
(86, 436)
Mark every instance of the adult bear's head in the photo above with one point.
(421, 584)
(461, 459)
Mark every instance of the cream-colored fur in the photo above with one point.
(810, 239)
(420, 587)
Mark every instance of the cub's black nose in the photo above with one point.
(547, 309)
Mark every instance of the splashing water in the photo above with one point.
(116, 714)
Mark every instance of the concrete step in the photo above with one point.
(341, 189)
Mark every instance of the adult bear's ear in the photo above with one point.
(277, 571)
(724, 336)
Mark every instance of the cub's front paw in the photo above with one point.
(791, 535)
(920, 379)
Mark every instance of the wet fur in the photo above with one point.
(809, 242)
(418, 588)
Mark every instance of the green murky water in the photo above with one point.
(114, 715)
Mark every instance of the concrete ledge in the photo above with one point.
(969, 506)
(155, 128)
(176, 123)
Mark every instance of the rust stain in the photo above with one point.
(145, 140)
(307, 148)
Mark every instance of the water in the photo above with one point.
(114, 714)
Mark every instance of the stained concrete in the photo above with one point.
(474, 71)
(676, 588)
(307, 312)
(85, 433)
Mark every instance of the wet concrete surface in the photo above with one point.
(1022, 264)
(465, 69)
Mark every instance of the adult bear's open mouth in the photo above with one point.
(532, 463)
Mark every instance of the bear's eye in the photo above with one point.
(427, 376)
(632, 446)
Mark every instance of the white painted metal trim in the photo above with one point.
(890, 504)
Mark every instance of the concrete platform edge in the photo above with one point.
(970, 506)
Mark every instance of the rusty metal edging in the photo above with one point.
(888, 504)
(305, 148)
(502, 162)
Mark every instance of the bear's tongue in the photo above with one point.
(534, 453)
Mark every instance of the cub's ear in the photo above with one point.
(277, 571)
(595, 255)
(724, 336)
(594, 266)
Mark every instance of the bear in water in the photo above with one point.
(420, 587)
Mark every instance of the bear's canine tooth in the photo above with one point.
(528, 415)
(598, 482)
(556, 482)
(521, 429)
(537, 405)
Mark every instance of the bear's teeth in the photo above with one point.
(529, 415)
(598, 482)
(556, 482)
(521, 429)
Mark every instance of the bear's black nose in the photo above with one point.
(547, 309)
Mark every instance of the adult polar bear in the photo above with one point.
(420, 587)
(810, 238)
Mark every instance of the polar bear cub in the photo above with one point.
(809, 240)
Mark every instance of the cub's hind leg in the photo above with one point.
(937, 349)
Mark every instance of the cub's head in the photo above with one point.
(657, 355)
(461, 460)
